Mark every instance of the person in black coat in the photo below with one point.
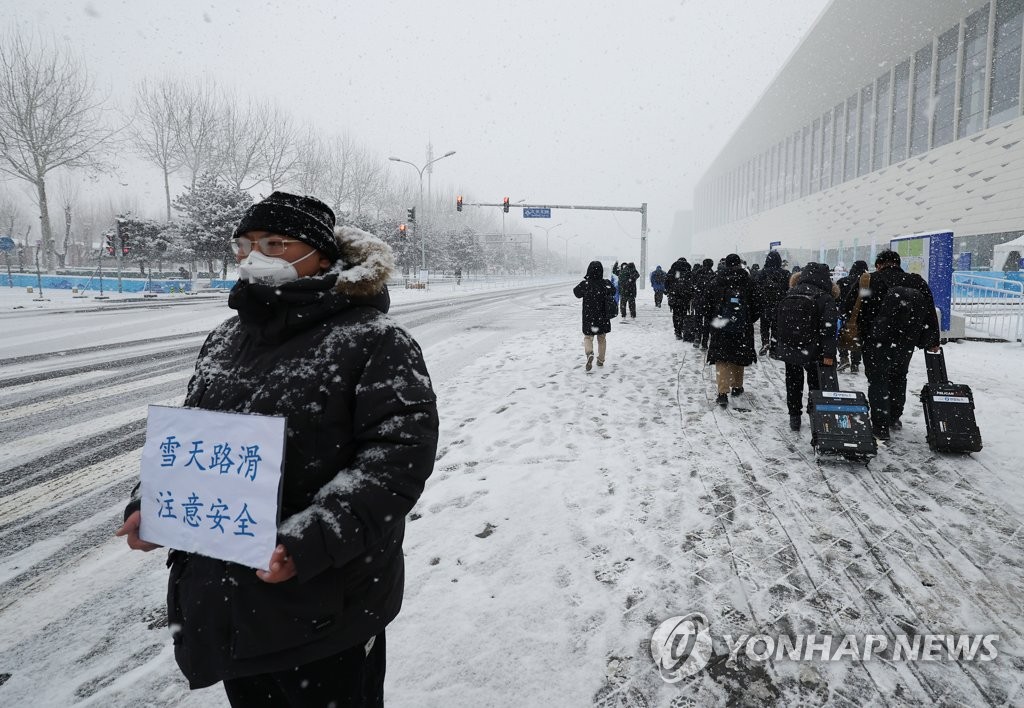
(814, 286)
(680, 292)
(736, 307)
(312, 342)
(850, 354)
(628, 275)
(703, 279)
(897, 314)
(772, 283)
(596, 293)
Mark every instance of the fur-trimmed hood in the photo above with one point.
(366, 262)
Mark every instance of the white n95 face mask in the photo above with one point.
(258, 268)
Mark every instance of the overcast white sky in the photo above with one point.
(573, 102)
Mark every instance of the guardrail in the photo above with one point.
(989, 304)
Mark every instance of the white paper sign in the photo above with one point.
(211, 483)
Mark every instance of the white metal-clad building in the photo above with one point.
(891, 118)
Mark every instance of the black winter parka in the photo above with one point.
(924, 333)
(595, 291)
(362, 431)
(734, 348)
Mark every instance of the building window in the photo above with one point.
(806, 160)
(922, 103)
(972, 83)
(867, 119)
(881, 145)
(1005, 101)
(945, 88)
(815, 156)
(900, 98)
(850, 170)
(826, 151)
(838, 143)
(798, 164)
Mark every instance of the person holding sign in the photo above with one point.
(311, 343)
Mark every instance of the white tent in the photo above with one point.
(1001, 251)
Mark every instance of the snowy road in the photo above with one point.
(568, 515)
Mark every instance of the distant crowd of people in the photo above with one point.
(805, 320)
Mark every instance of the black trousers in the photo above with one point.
(629, 300)
(704, 329)
(849, 355)
(887, 383)
(354, 678)
(679, 314)
(795, 374)
(658, 295)
(768, 324)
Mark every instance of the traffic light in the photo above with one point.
(401, 229)
(410, 215)
(111, 242)
(126, 246)
(458, 203)
(505, 205)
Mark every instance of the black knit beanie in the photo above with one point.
(305, 218)
(732, 260)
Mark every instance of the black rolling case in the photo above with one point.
(840, 420)
(948, 410)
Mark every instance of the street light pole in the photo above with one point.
(567, 240)
(419, 171)
(547, 231)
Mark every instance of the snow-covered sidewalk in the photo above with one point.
(571, 513)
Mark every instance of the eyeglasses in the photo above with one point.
(269, 245)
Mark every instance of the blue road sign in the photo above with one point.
(7, 244)
(774, 244)
(536, 213)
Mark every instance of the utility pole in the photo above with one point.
(576, 207)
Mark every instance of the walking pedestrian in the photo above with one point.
(658, 285)
(849, 336)
(806, 334)
(732, 327)
(628, 275)
(678, 287)
(772, 282)
(897, 314)
(598, 297)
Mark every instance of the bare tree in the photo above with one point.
(313, 163)
(338, 180)
(195, 129)
(279, 153)
(67, 191)
(50, 117)
(154, 127)
(367, 177)
(242, 131)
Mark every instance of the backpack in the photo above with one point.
(899, 316)
(774, 285)
(732, 313)
(798, 330)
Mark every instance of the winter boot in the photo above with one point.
(881, 433)
(590, 362)
(763, 350)
(896, 424)
(737, 390)
(854, 368)
(722, 400)
(600, 362)
(794, 422)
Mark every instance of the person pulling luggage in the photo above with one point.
(806, 334)
(897, 314)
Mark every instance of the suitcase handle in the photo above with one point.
(828, 380)
(935, 363)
